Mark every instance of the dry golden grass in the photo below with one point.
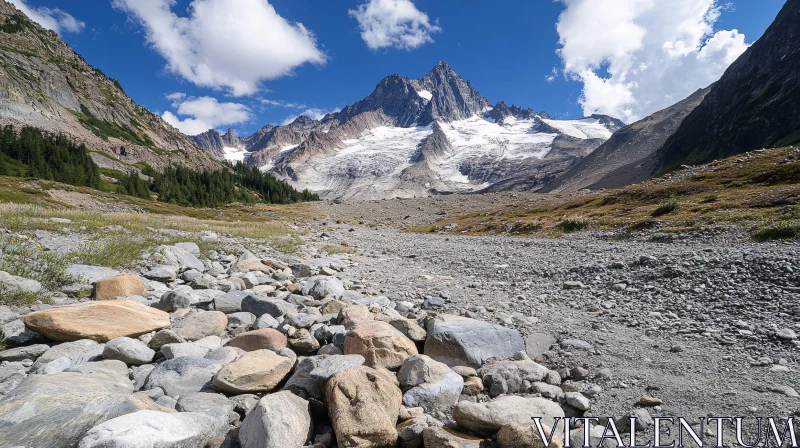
(759, 189)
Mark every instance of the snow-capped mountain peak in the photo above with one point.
(417, 137)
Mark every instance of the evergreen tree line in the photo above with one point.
(33, 153)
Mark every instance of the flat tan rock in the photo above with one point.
(117, 286)
(255, 372)
(363, 404)
(98, 321)
(201, 324)
(379, 343)
(265, 338)
(448, 438)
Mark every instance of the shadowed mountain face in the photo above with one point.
(417, 137)
(43, 83)
(628, 157)
(756, 103)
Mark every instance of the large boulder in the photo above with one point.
(153, 429)
(201, 324)
(379, 343)
(184, 375)
(265, 338)
(119, 286)
(55, 411)
(99, 321)
(322, 286)
(487, 418)
(429, 384)
(461, 341)
(363, 404)
(254, 372)
(280, 420)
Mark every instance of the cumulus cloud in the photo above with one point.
(313, 113)
(51, 18)
(635, 57)
(225, 44)
(203, 113)
(394, 23)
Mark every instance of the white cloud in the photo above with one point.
(282, 103)
(51, 18)
(636, 57)
(313, 113)
(204, 113)
(225, 44)
(394, 23)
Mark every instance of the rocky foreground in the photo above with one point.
(243, 346)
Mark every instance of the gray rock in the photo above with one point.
(641, 417)
(231, 302)
(241, 319)
(128, 350)
(244, 403)
(89, 274)
(320, 287)
(183, 375)
(198, 349)
(13, 284)
(302, 383)
(573, 285)
(20, 353)
(6, 315)
(576, 344)
(280, 420)
(62, 356)
(16, 333)
(139, 375)
(538, 343)
(216, 406)
(225, 355)
(192, 248)
(173, 300)
(460, 341)
(577, 400)
(488, 418)
(301, 320)
(67, 404)
(511, 377)
(266, 321)
(327, 367)
(163, 273)
(433, 386)
(153, 429)
(260, 306)
(787, 334)
(182, 259)
(200, 324)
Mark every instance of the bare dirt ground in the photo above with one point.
(706, 322)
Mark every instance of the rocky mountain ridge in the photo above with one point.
(417, 137)
(45, 84)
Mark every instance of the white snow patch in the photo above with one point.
(234, 154)
(587, 128)
(424, 94)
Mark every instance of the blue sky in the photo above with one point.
(507, 49)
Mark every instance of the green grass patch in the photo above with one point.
(335, 249)
(573, 224)
(781, 230)
(105, 129)
(665, 207)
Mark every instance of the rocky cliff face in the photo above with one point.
(43, 83)
(755, 104)
(628, 157)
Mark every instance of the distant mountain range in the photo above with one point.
(43, 83)
(417, 137)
